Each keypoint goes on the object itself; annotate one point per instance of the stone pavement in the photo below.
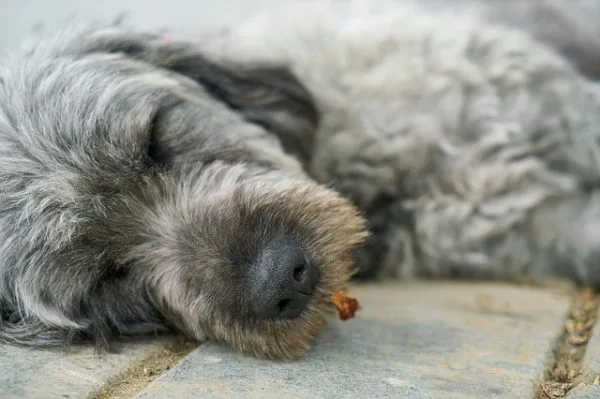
(410, 340)
(30, 373)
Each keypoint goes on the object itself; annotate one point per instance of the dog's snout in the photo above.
(283, 281)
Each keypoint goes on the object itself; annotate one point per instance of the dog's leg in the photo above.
(560, 238)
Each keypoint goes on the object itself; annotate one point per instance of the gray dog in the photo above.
(225, 189)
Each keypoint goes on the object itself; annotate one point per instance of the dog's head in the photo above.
(141, 181)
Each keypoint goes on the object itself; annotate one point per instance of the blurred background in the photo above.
(17, 17)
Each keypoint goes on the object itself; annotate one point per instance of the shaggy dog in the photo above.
(223, 189)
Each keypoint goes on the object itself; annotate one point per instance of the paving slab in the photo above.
(584, 391)
(53, 373)
(410, 340)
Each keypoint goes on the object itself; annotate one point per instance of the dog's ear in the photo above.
(270, 96)
(267, 95)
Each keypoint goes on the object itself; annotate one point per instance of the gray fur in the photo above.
(569, 26)
(131, 198)
(466, 143)
(142, 178)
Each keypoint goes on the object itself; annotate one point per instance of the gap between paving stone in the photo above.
(566, 360)
(144, 371)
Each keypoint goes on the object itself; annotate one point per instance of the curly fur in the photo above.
(141, 179)
(467, 144)
(569, 26)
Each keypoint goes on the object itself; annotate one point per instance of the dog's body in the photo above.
(465, 145)
(146, 182)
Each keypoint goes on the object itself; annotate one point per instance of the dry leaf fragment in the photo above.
(346, 305)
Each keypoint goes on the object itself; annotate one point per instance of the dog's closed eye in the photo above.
(154, 157)
(157, 150)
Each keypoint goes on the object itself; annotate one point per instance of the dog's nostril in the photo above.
(299, 272)
(283, 305)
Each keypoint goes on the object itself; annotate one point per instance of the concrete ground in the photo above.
(443, 340)
(410, 340)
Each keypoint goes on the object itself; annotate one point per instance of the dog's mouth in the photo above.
(289, 336)
(297, 302)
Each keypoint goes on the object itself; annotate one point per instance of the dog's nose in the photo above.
(283, 281)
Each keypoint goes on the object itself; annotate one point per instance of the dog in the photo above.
(226, 188)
